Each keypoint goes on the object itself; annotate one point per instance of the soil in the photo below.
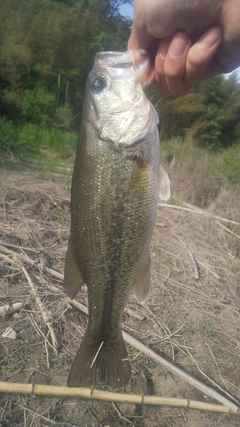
(191, 318)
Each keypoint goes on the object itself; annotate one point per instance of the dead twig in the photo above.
(192, 257)
(22, 248)
(45, 314)
(120, 414)
(227, 230)
(197, 211)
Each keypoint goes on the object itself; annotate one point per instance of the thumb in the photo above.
(140, 39)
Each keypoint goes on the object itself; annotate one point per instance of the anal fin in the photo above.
(72, 276)
(142, 283)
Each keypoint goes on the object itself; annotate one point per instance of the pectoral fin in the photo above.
(163, 184)
(72, 276)
(142, 283)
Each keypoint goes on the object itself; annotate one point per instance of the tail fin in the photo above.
(97, 362)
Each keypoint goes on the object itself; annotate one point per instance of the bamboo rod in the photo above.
(89, 393)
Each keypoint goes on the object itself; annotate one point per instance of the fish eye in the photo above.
(99, 84)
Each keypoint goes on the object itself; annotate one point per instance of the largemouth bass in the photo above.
(115, 188)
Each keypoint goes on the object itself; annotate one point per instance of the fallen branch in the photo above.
(16, 256)
(45, 314)
(92, 394)
(22, 248)
(197, 211)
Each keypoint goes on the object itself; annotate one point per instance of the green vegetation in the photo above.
(28, 138)
(209, 114)
(231, 162)
(46, 51)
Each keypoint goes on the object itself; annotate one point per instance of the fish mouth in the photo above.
(139, 59)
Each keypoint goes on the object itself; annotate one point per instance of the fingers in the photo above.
(139, 39)
(170, 65)
(198, 65)
(179, 66)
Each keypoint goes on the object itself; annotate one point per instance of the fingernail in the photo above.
(178, 44)
(163, 48)
(211, 37)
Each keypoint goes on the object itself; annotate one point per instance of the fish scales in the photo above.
(115, 189)
(113, 226)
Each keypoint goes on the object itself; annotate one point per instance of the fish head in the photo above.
(118, 108)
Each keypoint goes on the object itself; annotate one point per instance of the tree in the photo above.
(210, 113)
(47, 46)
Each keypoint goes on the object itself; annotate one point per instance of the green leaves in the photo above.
(46, 52)
(38, 106)
(210, 114)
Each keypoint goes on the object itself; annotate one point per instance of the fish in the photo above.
(116, 184)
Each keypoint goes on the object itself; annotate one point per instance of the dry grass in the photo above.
(194, 323)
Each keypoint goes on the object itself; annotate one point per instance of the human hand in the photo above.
(188, 40)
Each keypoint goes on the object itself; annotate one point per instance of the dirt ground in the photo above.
(192, 317)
